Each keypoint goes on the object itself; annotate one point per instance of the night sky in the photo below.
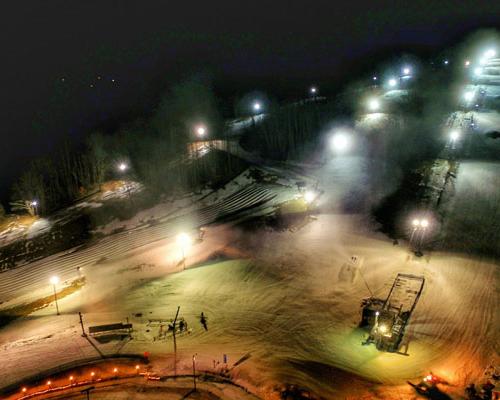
(70, 66)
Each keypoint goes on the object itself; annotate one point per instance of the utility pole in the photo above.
(81, 323)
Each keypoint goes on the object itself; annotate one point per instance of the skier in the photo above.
(203, 321)
(470, 392)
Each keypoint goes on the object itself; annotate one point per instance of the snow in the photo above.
(18, 284)
(237, 125)
(280, 304)
(297, 318)
(18, 231)
(487, 121)
(38, 227)
(12, 233)
(127, 189)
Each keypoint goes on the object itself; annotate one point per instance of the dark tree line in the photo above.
(60, 179)
(154, 149)
(290, 132)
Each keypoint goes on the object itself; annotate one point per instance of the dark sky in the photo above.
(54, 51)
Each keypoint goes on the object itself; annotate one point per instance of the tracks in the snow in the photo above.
(22, 280)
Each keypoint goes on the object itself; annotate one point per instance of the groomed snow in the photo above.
(286, 301)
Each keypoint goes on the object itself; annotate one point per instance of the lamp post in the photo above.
(183, 240)
(122, 167)
(34, 204)
(424, 224)
(194, 372)
(454, 136)
(54, 281)
(415, 224)
(419, 226)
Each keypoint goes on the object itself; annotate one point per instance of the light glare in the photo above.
(183, 240)
(469, 96)
(373, 104)
(490, 53)
(309, 196)
(201, 130)
(340, 142)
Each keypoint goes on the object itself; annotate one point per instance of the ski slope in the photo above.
(29, 278)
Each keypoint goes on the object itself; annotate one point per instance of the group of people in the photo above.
(183, 325)
(484, 393)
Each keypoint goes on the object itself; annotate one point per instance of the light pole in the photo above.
(424, 224)
(183, 240)
(419, 226)
(34, 204)
(314, 91)
(454, 136)
(122, 167)
(415, 223)
(81, 323)
(194, 372)
(257, 107)
(54, 281)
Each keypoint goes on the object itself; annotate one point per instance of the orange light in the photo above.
(71, 378)
(115, 370)
(48, 383)
(137, 367)
(92, 373)
(24, 390)
(428, 378)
